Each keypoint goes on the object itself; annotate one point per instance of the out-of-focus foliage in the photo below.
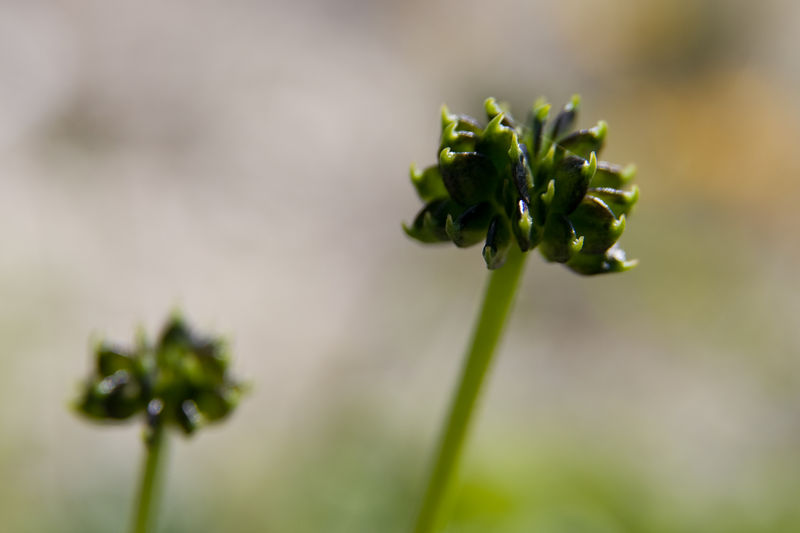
(350, 478)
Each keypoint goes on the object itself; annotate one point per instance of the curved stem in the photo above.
(149, 487)
(497, 302)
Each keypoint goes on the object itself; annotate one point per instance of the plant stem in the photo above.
(497, 301)
(149, 487)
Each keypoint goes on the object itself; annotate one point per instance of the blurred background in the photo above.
(247, 161)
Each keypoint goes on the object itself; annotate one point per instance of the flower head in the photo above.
(531, 184)
(182, 380)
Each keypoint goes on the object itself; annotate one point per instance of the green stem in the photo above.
(496, 305)
(149, 487)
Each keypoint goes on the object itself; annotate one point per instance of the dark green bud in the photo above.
(620, 202)
(570, 182)
(430, 225)
(523, 177)
(468, 176)
(498, 241)
(428, 183)
(536, 122)
(463, 122)
(612, 260)
(565, 119)
(559, 241)
(612, 176)
(583, 142)
(523, 227)
(527, 185)
(497, 141)
(113, 397)
(110, 359)
(595, 221)
(457, 140)
(470, 226)
(495, 108)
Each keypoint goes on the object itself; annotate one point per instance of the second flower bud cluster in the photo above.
(182, 380)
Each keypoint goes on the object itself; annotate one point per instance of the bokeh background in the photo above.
(247, 161)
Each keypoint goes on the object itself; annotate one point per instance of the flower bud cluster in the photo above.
(529, 184)
(182, 380)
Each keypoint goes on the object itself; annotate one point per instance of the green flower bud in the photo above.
(565, 119)
(612, 176)
(524, 229)
(430, 225)
(612, 260)
(468, 176)
(536, 122)
(181, 380)
(584, 142)
(528, 184)
(464, 123)
(620, 202)
(596, 222)
(559, 241)
(428, 183)
(570, 182)
(469, 227)
(498, 241)
(457, 141)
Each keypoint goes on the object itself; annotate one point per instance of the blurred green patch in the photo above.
(352, 474)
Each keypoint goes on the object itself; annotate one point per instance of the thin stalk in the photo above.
(497, 302)
(149, 488)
